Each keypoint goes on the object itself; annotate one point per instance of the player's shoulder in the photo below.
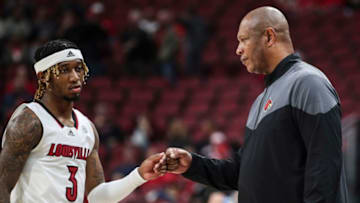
(24, 116)
(81, 115)
(24, 125)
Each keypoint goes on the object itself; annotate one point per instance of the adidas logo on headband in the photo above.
(70, 54)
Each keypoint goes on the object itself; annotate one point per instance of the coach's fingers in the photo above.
(171, 160)
(178, 160)
(172, 167)
(175, 153)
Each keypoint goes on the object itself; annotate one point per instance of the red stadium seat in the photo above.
(100, 83)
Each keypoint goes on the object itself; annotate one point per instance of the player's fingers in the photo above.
(161, 165)
(163, 159)
(163, 169)
(157, 157)
(157, 168)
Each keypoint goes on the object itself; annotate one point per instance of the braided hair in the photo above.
(46, 50)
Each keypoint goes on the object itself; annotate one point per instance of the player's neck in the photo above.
(58, 106)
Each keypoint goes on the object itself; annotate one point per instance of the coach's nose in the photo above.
(239, 50)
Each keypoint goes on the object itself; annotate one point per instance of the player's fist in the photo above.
(153, 167)
(178, 160)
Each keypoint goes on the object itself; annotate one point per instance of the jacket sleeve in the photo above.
(318, 115)
(220, 174)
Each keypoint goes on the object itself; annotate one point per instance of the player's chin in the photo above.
(72, 97)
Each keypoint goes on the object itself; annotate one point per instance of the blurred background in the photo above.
(165, 73)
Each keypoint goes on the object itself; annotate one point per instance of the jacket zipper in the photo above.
(260, 107)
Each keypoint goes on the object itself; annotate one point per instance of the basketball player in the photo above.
(50, 149)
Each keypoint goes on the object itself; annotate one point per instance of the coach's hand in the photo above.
(153, 167)
(178, 160)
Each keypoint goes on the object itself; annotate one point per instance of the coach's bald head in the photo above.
(266, 17)
(264, 39)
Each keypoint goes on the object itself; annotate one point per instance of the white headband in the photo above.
(57, 57)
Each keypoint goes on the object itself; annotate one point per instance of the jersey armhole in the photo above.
(2, 137)
(42, 135)
(93, 134)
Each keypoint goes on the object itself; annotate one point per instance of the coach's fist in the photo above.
(178, 160)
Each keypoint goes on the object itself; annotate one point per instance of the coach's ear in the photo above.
(270, 35)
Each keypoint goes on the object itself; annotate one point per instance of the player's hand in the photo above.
(147, 169)
(178, 160)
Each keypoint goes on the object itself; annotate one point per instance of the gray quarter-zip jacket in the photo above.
(292, 149)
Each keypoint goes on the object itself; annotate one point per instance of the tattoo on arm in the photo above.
(94, 169)
(23, 133)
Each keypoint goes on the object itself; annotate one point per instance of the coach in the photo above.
(292, 150)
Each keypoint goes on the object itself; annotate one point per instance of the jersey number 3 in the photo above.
(71, 192)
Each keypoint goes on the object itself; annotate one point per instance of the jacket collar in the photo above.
(280, 69)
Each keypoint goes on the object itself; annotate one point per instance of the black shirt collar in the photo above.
(280, 69)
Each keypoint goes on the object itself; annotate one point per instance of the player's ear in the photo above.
(270, 35)
(41, 77)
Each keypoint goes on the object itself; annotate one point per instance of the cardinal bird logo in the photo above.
(268, 105)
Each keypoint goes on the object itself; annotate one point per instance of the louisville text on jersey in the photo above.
(68, 151)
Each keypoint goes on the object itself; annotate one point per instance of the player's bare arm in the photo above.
(23, 133)
(94, 170)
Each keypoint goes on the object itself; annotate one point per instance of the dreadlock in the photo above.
(46, 50)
